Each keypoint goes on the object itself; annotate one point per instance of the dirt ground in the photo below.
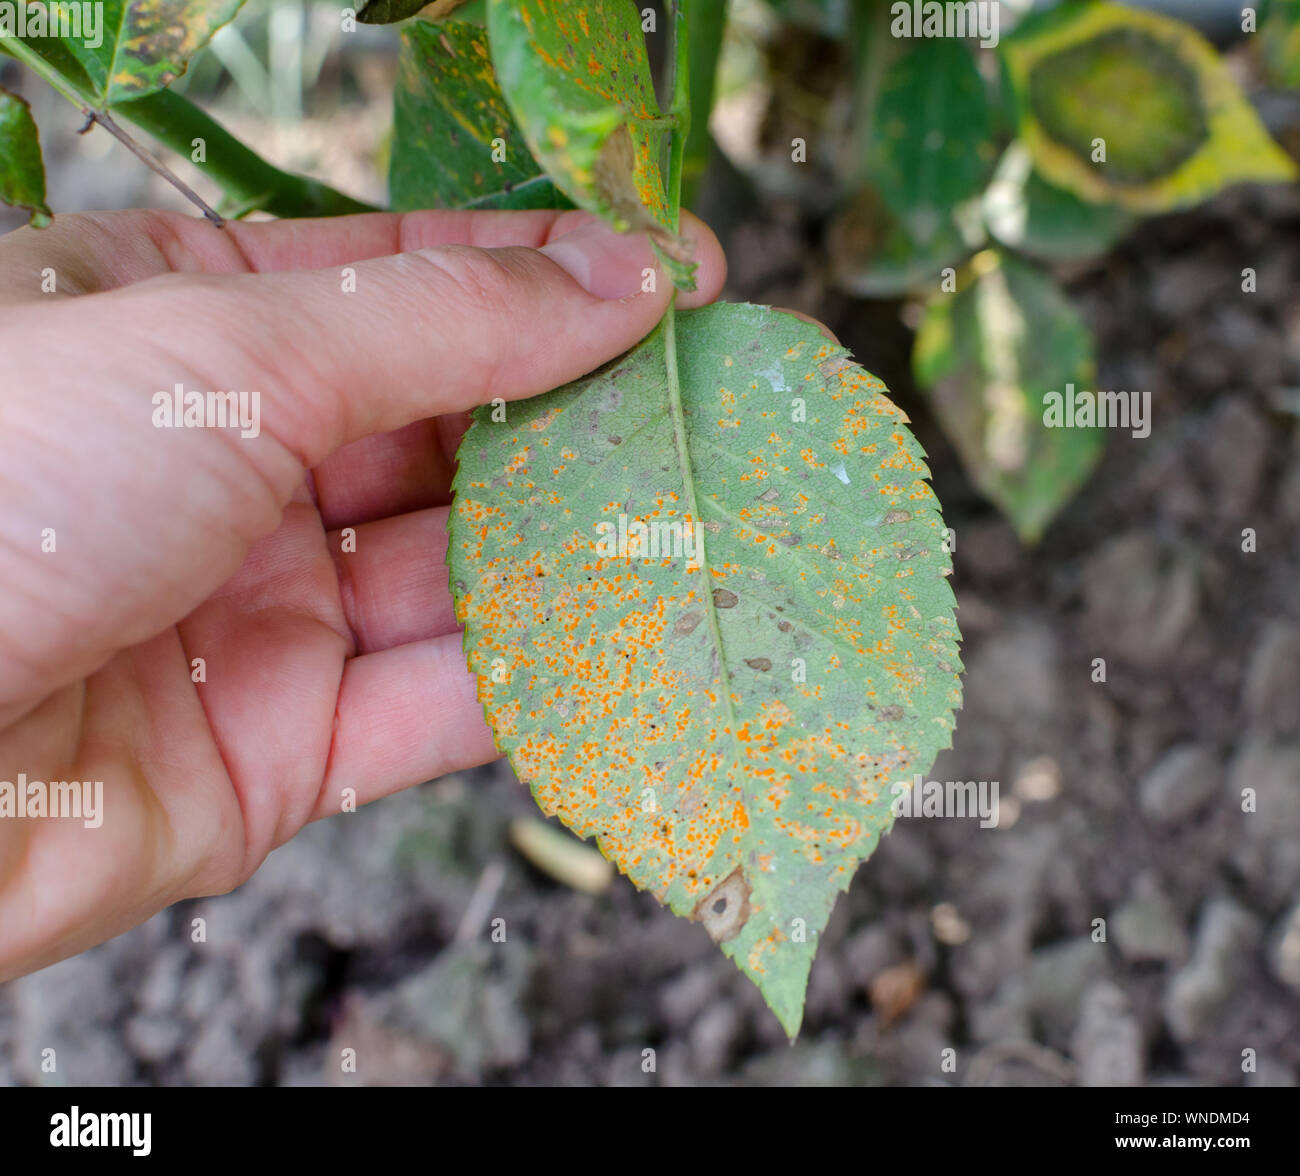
(1121, 801)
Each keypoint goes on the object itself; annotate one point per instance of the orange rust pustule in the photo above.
(725, 909)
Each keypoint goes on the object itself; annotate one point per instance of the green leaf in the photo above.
(577, 78)
(932, 136)
(706, 24)
(729, 720)
(1279, 37)
(56, 54)
(1149, 90)
(450, 120)
(987, 356)
(391, 11)
(22, 171)
(1028, 214)
(145, 45)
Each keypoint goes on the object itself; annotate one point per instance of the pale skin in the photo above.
(324, 670)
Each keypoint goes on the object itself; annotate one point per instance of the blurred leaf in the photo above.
(391, 11)
(932, 134)
(578, 80)
(829, 17)
(1280, 42)
(1026, 213)
(873, 255)
(22, 171)
(986, 357)
(447, 112)
(706, 24)
(707, 607)
(1175, 126)
(146, 44)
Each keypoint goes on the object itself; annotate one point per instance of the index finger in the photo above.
(97, 251)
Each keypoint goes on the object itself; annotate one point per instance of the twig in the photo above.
(106, 120)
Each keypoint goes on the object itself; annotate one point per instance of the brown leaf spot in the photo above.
(724, 598)
(761, 664)
(898, 516)
(686, 623)
(890, 713)
(725, 910)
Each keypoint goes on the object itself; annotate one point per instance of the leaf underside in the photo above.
(729, 727)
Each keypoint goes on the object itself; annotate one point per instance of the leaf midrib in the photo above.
(678, 415)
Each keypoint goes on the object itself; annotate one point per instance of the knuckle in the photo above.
(479, 281)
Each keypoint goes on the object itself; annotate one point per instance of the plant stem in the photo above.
(679, 73)
(868, 31)
(109, 124)
(22, 52)
(247, 179)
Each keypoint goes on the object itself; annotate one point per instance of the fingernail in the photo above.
(606, 264)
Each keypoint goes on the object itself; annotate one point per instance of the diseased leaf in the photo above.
(391, 11)
(987, 356)
(1149, 91)
(146, 44)
(1030, 215)
(22, 171)
(932, 135)
(576, 76)
(449, 118)
(728, 720)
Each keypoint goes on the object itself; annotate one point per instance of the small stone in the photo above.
(713, 1036)
(1108, 1039)
(1284, 959)
(1272, 681)
(1184, 779)
(154, 1038)
(1058, 977)
(1227, 937)
(1142, 597)
(1147, 927)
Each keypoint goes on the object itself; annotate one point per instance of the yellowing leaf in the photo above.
(146, 44)
(704, 593)
(455, 144)
(1124, 106)
(576, 76)
(986, 356)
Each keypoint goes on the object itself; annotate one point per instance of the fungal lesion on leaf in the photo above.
(725, 909)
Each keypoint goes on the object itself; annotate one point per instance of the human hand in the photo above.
(323, 670)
